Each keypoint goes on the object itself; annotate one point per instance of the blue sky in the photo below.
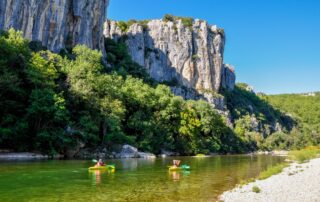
(273, 44)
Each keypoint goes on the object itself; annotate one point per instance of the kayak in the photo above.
(107, 167)
(183, 167)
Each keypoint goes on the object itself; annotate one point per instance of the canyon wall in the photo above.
(191, 55)
(57, 24)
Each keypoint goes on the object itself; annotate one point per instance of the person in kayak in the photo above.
(100, 163)
(176, 163)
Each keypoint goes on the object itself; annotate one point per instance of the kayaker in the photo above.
(100, 163)
(176, 163)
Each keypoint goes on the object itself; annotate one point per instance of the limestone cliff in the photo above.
(190, 55)
(228, 77)
(56, 23)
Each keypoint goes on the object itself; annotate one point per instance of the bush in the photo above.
(256, 189)
(221, 32)
(186, 21)
(124, 27)
(36, 46)
(168, 18)
(195, 57)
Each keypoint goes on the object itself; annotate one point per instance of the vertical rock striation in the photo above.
(189, 55)
(57, 24)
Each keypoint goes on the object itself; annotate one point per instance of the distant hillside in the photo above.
(305, 109)
(255, 120)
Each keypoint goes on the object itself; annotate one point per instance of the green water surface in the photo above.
(134, 179)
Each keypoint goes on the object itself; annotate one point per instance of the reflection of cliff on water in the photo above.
(133, 164)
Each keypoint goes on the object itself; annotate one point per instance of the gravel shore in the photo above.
(298, 182)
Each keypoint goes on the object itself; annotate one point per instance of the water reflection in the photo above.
(186, 172)
(133, 164)
(98, 175)
(177, 175)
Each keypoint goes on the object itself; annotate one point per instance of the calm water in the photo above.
(134, 180)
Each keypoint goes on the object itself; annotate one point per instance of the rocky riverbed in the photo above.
(298, 182)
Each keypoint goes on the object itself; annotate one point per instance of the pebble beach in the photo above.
(298, 182)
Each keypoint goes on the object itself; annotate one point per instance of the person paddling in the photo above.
(100, 163)
(176, 163)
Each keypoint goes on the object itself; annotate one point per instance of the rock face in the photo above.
(190, 56)
(228, 78)
(57, 24)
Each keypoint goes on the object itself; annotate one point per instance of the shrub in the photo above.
(187, 21)
(124, 27)
(221, 32)
(36, 46)
(168, 18)
(256, 189)
(195, 57)
(144, 24)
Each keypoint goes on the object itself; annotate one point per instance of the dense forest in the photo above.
(53, 102)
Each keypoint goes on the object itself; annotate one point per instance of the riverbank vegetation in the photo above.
(304, 155)
(52, 103)
(272, 170)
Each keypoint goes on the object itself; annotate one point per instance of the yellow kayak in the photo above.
(183, 167)
(107, 167)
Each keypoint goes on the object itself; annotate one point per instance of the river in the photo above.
(134, 179)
